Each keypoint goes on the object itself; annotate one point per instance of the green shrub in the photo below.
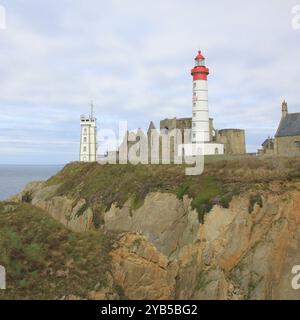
(27, 197)
(182, 191)
(255, 199)
(202, 202)
(81, 211)
(225, 200)
(137, 202)
(34, 252)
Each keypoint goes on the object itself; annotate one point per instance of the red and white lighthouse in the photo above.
(200, 118)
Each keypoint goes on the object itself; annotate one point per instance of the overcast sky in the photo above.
(133, 59)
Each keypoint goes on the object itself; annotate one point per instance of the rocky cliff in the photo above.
(167, 246)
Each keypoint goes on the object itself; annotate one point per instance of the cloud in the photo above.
(133, 59)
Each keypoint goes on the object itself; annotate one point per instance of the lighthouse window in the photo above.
(84, 139)
(84, 149)
(194, 84)
(200, 62)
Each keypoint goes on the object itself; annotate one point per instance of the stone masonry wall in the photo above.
(233, 139)
(287, 146)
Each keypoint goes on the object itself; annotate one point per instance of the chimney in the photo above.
(284, 109)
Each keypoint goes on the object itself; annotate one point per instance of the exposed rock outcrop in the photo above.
(166, 222)
(233, 255)
(141, 270)
(241, 255)
(74, 214)
(246, 251)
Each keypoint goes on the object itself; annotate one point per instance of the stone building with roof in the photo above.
(287, 138)
(267, 147)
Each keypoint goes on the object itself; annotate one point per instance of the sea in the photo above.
(13, 178)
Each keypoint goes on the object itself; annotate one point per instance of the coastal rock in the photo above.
(245, 251)
(241, 255)
(75, 215)
(28, 193)
(163, 219)
(142, 271)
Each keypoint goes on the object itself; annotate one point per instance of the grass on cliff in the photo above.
(103, 185)
(44, 260)
(108, 184)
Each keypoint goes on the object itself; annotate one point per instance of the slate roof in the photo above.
(289, 125)
(267, 141)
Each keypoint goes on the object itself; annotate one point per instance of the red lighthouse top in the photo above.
(199, 56)
(200, 72)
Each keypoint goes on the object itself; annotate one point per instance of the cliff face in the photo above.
(242, 255)
(233, 255)
(245, 251)
(72, 213)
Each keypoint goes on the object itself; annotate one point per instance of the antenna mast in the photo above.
(92, 110)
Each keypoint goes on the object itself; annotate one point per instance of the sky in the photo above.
(133, 60)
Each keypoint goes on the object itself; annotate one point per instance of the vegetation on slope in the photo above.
(44, 260)
(103, 185)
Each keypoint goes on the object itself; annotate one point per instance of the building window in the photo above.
(84, 139)
(216, 151)
(194, 114)
(297, 144)
(165, 130)
(85, 131)
(194, 104)
(194, 124)
(84, 149)
(194, 84)
(194, 94)
(194, 135)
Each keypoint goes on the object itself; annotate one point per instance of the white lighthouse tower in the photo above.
(88, 138)
(200, 116)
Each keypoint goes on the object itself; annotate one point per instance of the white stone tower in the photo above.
(88, 138)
